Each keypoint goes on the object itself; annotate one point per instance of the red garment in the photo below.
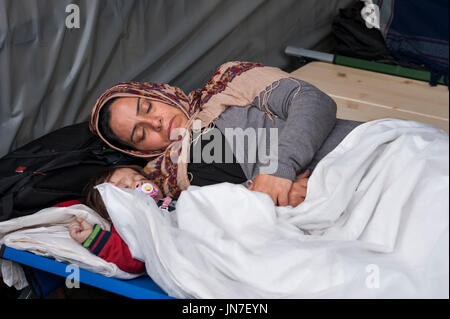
(68, 203)
(110, 247)
(116, 251)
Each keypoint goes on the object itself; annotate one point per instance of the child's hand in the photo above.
(80, 230)
(297, 193)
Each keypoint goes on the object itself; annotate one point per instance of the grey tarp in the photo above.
(51, 75)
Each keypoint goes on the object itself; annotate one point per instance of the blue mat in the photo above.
(139, 288)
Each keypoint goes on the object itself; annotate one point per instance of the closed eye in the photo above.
(149, 107)
(143, 134)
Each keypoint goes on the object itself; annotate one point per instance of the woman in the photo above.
(290, 123)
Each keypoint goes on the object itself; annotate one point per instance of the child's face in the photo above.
(129, 178)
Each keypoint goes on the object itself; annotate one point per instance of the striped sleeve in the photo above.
(97, 240)
(112, 248)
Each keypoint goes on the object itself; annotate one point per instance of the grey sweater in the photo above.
(303, 130)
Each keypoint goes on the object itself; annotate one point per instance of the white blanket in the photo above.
(374, 225)
(46, 233)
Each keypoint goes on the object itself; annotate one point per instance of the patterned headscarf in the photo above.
(232, 84)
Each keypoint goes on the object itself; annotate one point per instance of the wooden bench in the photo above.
(363, 95)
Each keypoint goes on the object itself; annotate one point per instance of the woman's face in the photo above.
(144, 124)
(129, 178)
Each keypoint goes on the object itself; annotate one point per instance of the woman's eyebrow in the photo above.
(138, 107)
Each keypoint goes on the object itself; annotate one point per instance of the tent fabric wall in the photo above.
(51, 75)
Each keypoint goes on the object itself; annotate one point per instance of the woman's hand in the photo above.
(297, 193)
(276, 187)
(80, 230)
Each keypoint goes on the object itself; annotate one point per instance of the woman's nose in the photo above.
(155, 122)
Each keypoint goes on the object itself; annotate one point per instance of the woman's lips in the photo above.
(172, 126)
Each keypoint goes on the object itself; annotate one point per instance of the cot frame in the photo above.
(142, 287)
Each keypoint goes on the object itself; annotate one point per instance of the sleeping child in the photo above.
(108, 245)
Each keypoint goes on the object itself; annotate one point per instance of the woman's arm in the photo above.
(309, 116)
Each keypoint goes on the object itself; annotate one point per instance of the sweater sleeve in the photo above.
(309, 116)
(111, 247)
